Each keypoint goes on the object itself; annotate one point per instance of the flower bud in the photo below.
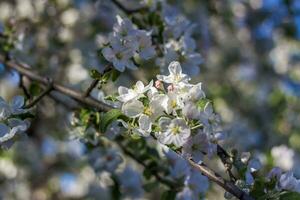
(171, 88)
(158, 84)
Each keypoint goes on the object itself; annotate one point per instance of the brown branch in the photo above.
(44, 93)
(226, 160)
(22, 86)
(93, 103)
(127, 10)
(96, 81)
(76, 95)
(91, 87)
(227, 185)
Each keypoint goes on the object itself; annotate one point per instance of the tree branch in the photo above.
(126, 10)
(44, 93)
(96, 81)
(227, 185)
(76, 95)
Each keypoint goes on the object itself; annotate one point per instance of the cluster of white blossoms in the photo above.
(10, 123)
(178, 41)
(125, 43)
(174, 111)
(110, 161)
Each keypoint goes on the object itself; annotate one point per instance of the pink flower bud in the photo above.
(158, 84)
(171, 88)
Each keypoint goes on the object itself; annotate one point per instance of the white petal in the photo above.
(18, 101)
(4, 129)
(122, 90)
(175, 68)
(108, 53)
(119, 65)
(208, 109)
(133, 108)
(139, 86)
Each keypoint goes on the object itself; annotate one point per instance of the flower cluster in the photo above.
(11, 125)
(174, 111)
(125, 43)
(178, 43)
(110, 160)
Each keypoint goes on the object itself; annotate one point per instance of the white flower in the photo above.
(145, 49)
(5, 110)
(210, 120)
(175, 24)
(125, 42)
(274, 173)
(194, 92)
(197, 145)
(283, 157)
(127, 94)
(287, 181)
(186, 194)
(147, 114)
(131, 183)
(124, 28)
(105, 159)
(197, 182)
(190, 61)
(120, 55)
(133, 108)
(145, 125)
(176, 76)
(191, 111)
(253, 166)
(14, 127)
(178, 167)
(174, 102)
(173, 131)
(17, 104)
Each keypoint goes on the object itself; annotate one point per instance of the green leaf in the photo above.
(108, 118)
(115, 75)
(35, 89)
(168, 195)
(201, 103)
(95, 74)
(150, 186)
(290, 196)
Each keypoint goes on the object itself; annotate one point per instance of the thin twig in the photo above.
(227, 185)
(91, 87)
(76, 95)
(96, 81)
(226, 160)
(44, 93)
(22, 86)
(126, 10)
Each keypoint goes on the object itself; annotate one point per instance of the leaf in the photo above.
(150, 186)
(108, 117)
(115, 75)
(290, 196)
(35, 89)
(168, 195)
(95, 74)
(201, 103)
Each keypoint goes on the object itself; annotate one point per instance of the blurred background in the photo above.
(251, 71)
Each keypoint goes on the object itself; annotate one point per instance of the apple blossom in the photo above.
(173, 131)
